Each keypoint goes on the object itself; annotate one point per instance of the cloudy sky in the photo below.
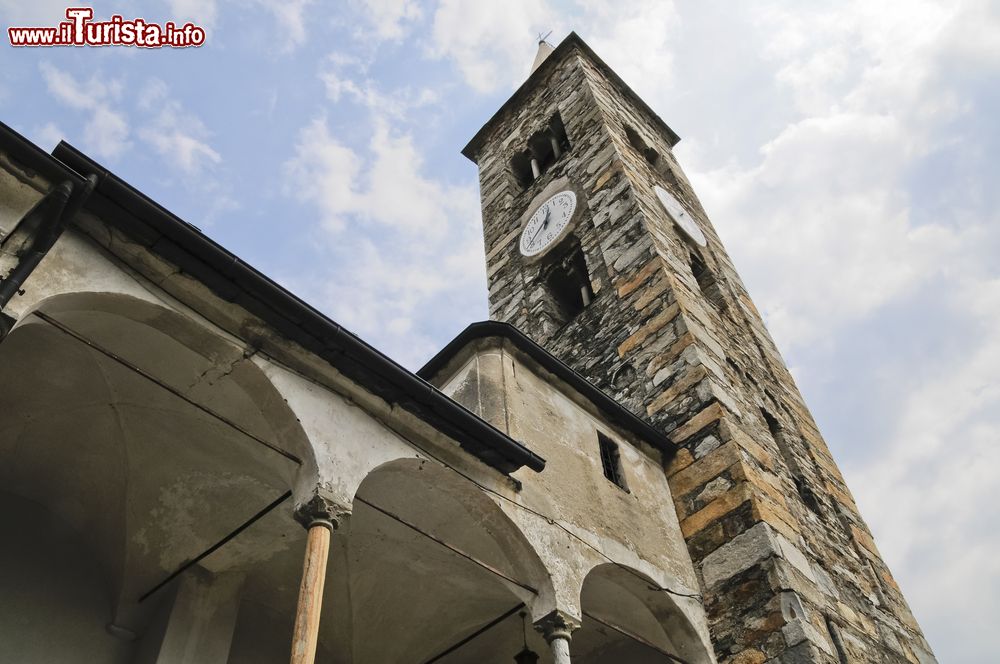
(847, 153)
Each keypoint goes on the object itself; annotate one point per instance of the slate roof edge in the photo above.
(618, 414)
(180, 243)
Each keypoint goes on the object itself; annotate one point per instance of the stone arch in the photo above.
(626, 617)
(446, 596)
(152, 464)
(209, 368)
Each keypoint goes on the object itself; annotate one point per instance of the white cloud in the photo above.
(340, 85)
(634, 37)
(939, 475)
(385, 292)
(203, 13)
(825, 204)
(403, 242)
(177, 136)
(87, 95)
(30, 14)
(831, 229)
(392, 191)
(402, 197)
(179, 147)
(389, 18)
(493, 44)
(107, 129)
(828, 200)
(323, 172)
(291, 18)
(48, 135)
(489, 42)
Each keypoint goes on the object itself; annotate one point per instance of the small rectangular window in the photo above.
(611, 461)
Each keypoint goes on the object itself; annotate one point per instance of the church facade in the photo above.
(196, 466)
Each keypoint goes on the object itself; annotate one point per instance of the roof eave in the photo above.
(616, 412)
(178, 242)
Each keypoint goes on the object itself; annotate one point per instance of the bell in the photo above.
(526, 656)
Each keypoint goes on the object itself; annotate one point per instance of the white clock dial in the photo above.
(680, 216)
(547, 224)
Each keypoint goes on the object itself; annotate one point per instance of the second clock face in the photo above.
(680, 216)
(547, 224)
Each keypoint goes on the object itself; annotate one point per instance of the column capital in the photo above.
(320, 511)
(557, 625)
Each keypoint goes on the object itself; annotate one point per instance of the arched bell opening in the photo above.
(629, 618)
(161, 444)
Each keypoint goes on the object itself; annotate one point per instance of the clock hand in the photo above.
(545, 222)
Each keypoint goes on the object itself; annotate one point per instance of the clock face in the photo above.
(680, 216)
(547, 224)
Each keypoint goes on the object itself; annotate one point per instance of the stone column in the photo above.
(556, 148)
(536, 171)
(320, 518)
(557, 628)
(200, 626)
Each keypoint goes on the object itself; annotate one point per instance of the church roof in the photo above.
(143, 220)
(540, 70)
(617, 413)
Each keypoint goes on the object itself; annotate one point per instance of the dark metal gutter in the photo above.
(50, 216)
(573, 40)
(45, 221)
(45, 216)
(147, 223)
(620, 415)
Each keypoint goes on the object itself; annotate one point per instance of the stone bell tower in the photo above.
(598, 249)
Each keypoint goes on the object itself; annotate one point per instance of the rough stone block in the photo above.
(707, 444)
(678, 388)
(803, 653)
(654, 325)
(825, 582)
(716, 509)
(713, 413)
(799, 630)
(650, 293)
(682, 460)
(714, 489)
(742, 552)
(791, 553)
(748, 656)
(704, 470)
(865, 540)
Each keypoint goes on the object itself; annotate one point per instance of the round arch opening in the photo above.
(428, 569)
(627, 618)
(139, 428)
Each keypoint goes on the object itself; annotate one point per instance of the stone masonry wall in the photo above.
(788, 568)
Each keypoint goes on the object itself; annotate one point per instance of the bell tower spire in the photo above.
(598, 248)
(544, 50)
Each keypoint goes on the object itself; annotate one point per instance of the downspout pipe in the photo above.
(55, 210)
